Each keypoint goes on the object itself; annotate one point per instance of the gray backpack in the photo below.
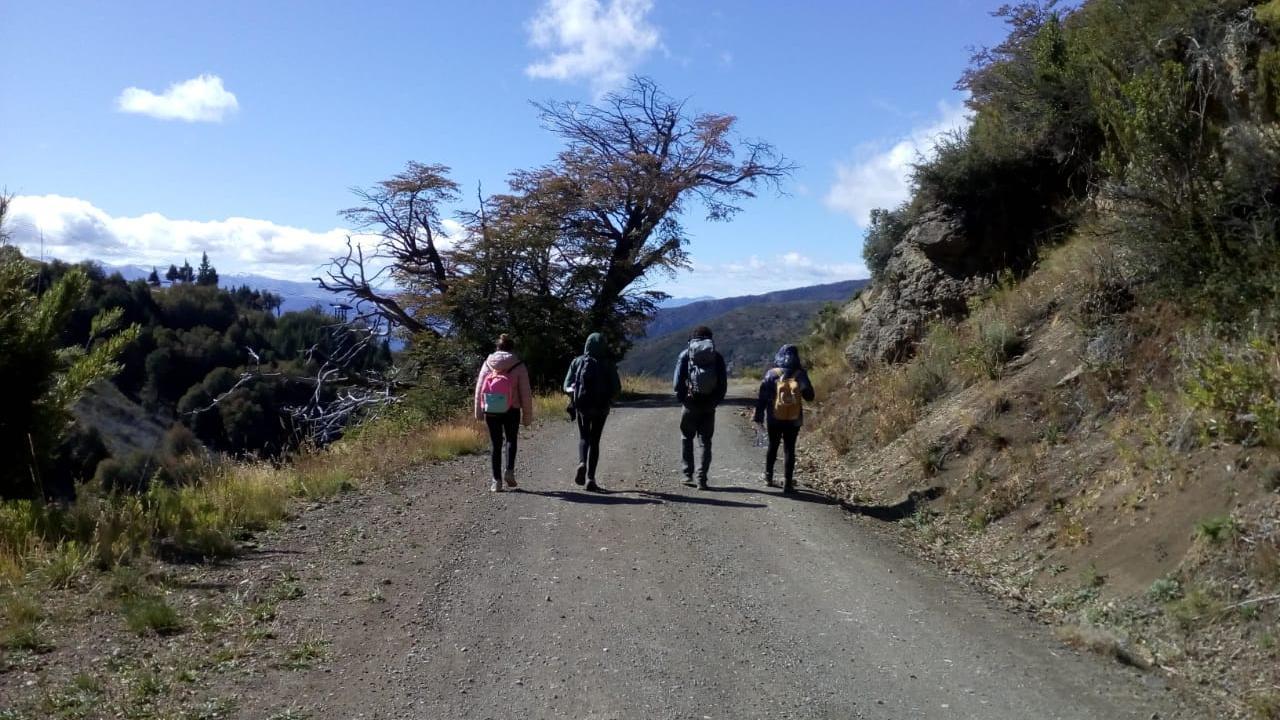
(703, 379)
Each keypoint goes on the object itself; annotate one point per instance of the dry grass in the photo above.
(639, 385)
(550, 406)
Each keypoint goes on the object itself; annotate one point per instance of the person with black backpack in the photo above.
(780, 412)
(592, 383)
(700, 383)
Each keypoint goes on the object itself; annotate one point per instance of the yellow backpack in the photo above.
(786, 398)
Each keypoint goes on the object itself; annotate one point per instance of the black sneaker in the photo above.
(688, 479)
(768, 481)
(593, 487)
(581, 477)
(789, 488)
(702, 484)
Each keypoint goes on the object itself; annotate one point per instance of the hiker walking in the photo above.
(504, 400)
(700, 383)
(780, 409)
(592, 384)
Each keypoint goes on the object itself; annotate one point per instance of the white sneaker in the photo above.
(495, 486)
(510, 477)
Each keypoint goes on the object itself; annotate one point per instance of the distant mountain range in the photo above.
(681, 302)
(748, 329)
(297, 295)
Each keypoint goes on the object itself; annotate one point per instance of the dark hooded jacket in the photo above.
(680, 381)
(786, 365)
(598, 349)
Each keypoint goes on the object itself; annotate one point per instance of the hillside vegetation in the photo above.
(748, 329)
(702, 312)
(747, 336)
(1065, 377)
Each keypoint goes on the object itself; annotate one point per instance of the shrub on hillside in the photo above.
(887, 229)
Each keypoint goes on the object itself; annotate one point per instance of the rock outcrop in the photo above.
(931, 274)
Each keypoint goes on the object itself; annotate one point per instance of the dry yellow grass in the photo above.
(645, 385)
(549, 406)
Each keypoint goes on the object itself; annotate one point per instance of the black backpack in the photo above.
(591, 385)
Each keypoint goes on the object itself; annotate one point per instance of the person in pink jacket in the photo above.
(504, 401)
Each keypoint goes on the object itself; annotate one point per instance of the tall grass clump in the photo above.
(21, 619)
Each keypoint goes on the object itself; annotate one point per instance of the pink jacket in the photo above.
(502, 362)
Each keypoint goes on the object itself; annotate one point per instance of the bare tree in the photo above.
(406, 276)
(631, 164)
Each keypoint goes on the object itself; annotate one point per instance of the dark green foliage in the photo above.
(887, 229)
(44, 375)
(1163, 109)
(188, 345)
(206, 274)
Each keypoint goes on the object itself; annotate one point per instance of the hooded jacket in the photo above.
(503, 362)
(596, 347)
(680, 381)
(788, 362)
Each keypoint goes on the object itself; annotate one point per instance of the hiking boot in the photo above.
(510, 477)
(593, 487)
(581, 477)
(495, 486)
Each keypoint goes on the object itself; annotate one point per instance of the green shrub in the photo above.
(21, 623)
(1238, 385)
(929, 374)
(149, 613)
(1215, 530)
(887, 229)
(995, 342)
(1164, 590)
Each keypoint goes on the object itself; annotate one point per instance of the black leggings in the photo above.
(786, 434)
(508, 423)
(590, 426)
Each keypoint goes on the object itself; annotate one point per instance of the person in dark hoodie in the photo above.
(504, 400)
(700, 382)
(592, 383)
(780, 409)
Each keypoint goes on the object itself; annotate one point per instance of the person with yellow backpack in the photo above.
(780, 412)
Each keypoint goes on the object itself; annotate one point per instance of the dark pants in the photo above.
(700, 422)
(786, 434)
(590, 427)
(508, 423)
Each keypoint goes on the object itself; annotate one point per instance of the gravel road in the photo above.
(437, 599)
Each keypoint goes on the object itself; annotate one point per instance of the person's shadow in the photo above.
(798, 495)
(703, 497)
(600, 497)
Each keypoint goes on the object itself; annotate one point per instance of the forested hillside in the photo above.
(1066, 374)
(189, 344)
(666, 320)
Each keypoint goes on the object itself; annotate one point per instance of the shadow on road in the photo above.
(703, 498)
(897, 511)
(809, 496)
(665, 400)
(604, 497)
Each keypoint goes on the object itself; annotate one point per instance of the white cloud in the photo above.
(881, 178)
(590, 41)
(755, 275)
(200, 99)
(71, 229)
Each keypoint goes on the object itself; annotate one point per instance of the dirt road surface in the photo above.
(437, 599)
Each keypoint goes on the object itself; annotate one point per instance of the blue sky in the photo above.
(286, 105)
